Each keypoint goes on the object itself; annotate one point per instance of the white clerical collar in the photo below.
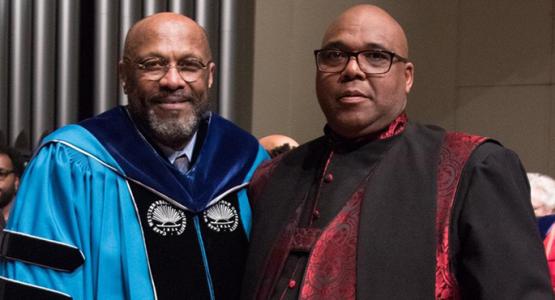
(172, 154)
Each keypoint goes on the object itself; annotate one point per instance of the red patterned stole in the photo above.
(331, 268)
(455, 151)
(549, 245)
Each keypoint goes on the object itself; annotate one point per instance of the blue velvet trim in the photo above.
(84, 140)
(226, 157)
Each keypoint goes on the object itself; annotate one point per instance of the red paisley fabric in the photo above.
(305, 238)
(397, 126)
(549, 245)
(455, 151)
(277, 258)
(331, 269)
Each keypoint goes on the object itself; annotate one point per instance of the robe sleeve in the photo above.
(69, 197)
(497, 251)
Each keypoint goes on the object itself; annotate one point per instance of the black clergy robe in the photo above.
(495, 249)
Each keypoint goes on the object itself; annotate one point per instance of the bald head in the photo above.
(276, 140)
(369, 18)
(161, 25)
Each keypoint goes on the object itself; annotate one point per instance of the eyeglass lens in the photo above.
(369, 61)
(189, 71)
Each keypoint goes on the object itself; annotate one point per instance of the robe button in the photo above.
(292, 283)
(328, 178)
(316, 214)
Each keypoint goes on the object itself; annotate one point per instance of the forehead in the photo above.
(363, 31)
(5, 162)
(170, 39)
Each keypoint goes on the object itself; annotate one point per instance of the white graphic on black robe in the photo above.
(221, 217)
(165, 219)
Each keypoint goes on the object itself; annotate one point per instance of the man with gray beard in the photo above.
(146, 201)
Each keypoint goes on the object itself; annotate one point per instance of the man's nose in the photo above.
(172, 80)
(352, 70)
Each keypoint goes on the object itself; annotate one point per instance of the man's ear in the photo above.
(211, 73)
(16, 183)
(409, 76)
(122, 73)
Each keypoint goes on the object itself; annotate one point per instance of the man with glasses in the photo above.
(384, 208)
(11, 168)
(146, 201)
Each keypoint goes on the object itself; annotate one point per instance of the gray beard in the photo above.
(173, 133)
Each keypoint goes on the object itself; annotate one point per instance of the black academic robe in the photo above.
(495, 248)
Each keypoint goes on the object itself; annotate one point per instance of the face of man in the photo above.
(169, 108)
(355, 103)
(8, 183)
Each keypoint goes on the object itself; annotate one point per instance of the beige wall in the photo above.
(485, 67)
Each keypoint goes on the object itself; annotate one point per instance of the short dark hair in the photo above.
(15, 156)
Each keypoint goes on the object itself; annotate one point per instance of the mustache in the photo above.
(174, 96)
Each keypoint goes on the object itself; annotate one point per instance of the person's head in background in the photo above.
(11, 168)
(277, 144)
(542, 189)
